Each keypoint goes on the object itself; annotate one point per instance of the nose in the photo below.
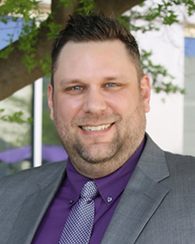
(95, 102)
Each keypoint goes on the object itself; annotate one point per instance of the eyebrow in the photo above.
(117, 77)
(73, 81)
(76, 81)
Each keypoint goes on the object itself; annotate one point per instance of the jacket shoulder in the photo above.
(32, 175)
(178, 162)
(178, 158)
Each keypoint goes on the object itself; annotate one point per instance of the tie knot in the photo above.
(89, 190)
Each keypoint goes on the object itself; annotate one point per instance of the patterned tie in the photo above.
(79, 224)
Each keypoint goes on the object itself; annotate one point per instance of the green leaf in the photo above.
(15, 118)
(54, 30)
(87, 6)
(6, 51)
(158, 73)
(46, 65)
(124, 20)
(29, 61)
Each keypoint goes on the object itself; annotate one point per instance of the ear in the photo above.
(50, 99)
(145, 92)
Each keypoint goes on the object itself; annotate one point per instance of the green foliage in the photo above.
(21, 8)
(6, 51)
(87, 6)
(16, 126)
(164, 12)
(15, 118)
(28, 37)
(30, 12)
(54, 30)
(65, 3)
(124, 20)
(27, 41)
(190, 5)
(25, 10)
(158, 74)
(45, 63)
(145, 28)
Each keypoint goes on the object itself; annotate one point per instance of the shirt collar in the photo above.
(110, 186)
(75, 181)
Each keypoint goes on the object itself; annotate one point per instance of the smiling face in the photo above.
(98, 106)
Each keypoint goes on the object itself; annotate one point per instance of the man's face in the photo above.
(98, 107)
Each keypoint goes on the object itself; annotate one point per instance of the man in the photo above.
(98, 98)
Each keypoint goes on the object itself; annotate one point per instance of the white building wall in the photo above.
(165, 120)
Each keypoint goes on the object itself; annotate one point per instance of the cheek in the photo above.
(66, 108)
(123, 103)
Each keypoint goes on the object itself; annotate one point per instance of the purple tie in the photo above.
(79, 224)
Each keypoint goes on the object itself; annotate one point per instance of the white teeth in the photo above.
(95, 128)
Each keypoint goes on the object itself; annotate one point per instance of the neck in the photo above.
(102, 169)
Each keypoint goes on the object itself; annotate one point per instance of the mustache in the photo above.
(96, 119)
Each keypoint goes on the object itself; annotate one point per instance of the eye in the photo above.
(76, 88)
(110, 85)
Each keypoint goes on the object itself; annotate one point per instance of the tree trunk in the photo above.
(14, 74)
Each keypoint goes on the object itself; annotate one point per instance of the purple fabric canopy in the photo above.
(51, 153)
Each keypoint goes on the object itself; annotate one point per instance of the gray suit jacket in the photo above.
(157, 206)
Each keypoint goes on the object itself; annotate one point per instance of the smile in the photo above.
(95, 128)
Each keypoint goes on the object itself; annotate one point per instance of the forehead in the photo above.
(93, 58)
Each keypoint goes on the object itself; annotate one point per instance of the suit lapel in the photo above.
(35, 205)
(141, 197)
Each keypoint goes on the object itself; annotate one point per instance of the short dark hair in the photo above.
(95, 28)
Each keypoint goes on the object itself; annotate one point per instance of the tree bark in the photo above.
(14, 74)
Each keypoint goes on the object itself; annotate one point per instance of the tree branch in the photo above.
(115, 6)
(14, 74)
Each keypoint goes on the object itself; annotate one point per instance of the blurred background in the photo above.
(27, 135)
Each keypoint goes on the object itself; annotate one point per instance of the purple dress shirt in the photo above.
(110, 190)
